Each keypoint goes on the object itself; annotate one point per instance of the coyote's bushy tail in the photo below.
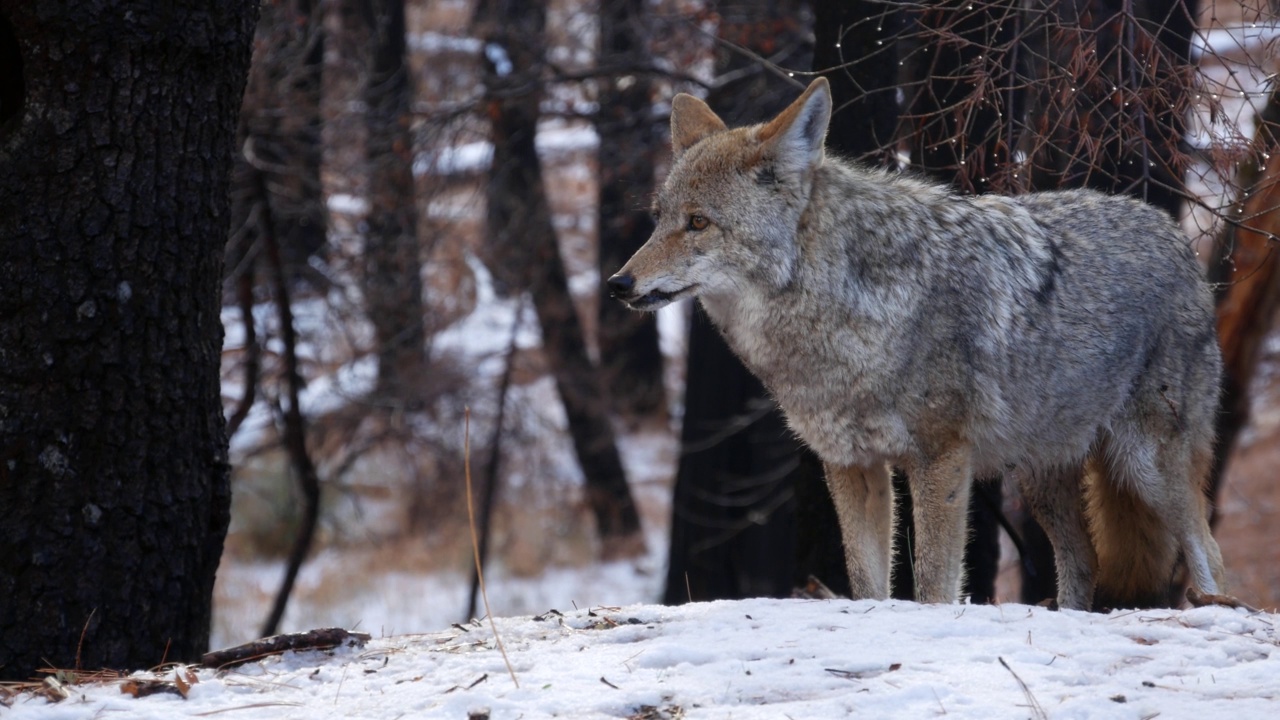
(1137, 544)
(1136, 551)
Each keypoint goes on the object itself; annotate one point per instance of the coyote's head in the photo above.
(729, 210)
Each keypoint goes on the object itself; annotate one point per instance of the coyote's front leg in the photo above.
(863, 497)
(940, 497)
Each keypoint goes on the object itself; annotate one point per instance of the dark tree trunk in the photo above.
(392, 280)
(113, 216)
(1126, 120)
(1039, 578)
(955, 134)
(525, 254)
(862, 127)
(630, 361)
(295, 426)
(733, 525)
(855, 51)
(304, 229)
(279, 221)
(733, 519)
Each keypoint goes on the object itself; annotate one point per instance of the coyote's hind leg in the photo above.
(1054, 496)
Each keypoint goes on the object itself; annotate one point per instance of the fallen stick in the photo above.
(322, 639)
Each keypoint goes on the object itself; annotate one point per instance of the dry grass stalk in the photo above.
(475, 542)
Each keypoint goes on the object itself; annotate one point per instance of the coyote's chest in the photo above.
(834, 393)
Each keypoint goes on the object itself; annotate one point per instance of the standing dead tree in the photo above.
(1009, 97)
(392, 266)
(295, 426)
(524, 254)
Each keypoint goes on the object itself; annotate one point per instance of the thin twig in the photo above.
(1036, 708)
(252, 350)
(83, 631)
(475, 545)
(490, 489)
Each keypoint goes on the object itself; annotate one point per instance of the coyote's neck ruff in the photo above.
(899, 324)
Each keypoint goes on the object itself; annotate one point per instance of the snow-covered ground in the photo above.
(753, 659)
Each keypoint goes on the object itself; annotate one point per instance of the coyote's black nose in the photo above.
(621, 285)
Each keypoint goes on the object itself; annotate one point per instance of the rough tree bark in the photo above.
(524, 254)
(113, 216)
(630, 360)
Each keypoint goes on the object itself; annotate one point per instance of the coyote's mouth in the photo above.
(655, 299)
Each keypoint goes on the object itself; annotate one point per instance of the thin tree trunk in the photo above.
(1121, 127)
(281, 118)
(295, 427)
(392, 265)
(279, 217)
(304, 230)
(733, 527)
(520, 232)
(489, 490)
(954, 134)
(113, 217)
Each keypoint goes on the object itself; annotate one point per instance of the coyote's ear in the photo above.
(793, 140)
(691, 121)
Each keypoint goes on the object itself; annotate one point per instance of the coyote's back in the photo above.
(898, 324)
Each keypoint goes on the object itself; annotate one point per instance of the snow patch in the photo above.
(751, 659)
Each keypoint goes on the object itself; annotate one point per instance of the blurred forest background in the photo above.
(429, 193)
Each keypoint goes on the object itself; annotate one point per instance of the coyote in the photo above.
(1063, 339)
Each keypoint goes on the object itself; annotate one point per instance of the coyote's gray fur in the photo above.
(1064, 339)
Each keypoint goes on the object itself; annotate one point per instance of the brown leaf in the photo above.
(183, 686)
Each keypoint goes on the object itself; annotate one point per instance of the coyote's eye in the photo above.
(698, 222)
(655, 214)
